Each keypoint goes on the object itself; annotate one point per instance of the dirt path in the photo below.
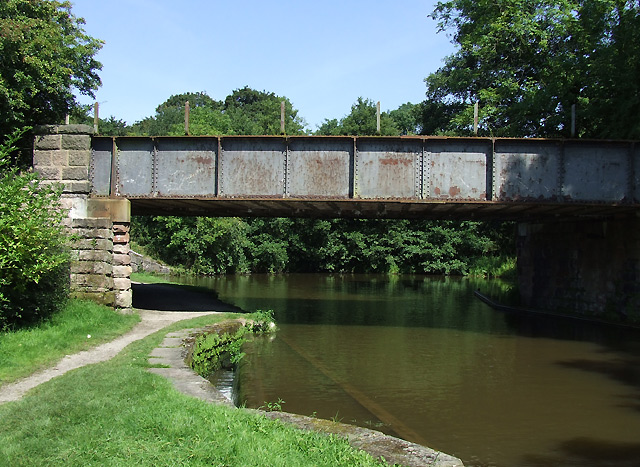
(149, 298)
(152, 321)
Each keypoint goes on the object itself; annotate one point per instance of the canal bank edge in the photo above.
(171, 356)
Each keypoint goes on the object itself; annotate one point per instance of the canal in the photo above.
(421, 358)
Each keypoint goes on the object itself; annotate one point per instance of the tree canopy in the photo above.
(360, 121)
(245, 111)
(526, 62)
(44, 56)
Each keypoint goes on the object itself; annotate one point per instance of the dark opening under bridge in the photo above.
(576, 201)
(375, 177)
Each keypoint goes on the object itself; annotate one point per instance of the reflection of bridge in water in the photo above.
(374, 177)
(577, 201)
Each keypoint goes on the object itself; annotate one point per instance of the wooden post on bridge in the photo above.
(475, 119)
(96, 117)
(186, 118)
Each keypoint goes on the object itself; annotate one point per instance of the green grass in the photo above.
(24, 351)
(116, 413)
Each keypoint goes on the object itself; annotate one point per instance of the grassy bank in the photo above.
(116, 413)
(24, 351)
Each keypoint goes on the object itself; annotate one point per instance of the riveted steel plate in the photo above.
(388, 169)
(457, 169)
(135, 167)
(186, 167)
(595, 172)
(320, 168)
(101, 166)
(252, 167)
(526, 171)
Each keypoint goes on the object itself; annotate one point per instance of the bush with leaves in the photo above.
(34, 274)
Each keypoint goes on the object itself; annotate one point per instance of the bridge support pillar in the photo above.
(587, 267)
(100, 266)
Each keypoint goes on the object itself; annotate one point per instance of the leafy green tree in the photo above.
(526, 62)
(244, 112)
(258, 113)
(202, 245)
(44, 56)
(406, 118)
(361, 121)
(169, 117)
(434, 117)
(34, 271)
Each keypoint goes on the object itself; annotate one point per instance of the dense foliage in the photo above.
(44, 56)
(361, 121)
(34, 270)
(232, 245)
(244, 112)
(527, 62)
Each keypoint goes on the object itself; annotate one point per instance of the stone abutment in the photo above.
(99, 227)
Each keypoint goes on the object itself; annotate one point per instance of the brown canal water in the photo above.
(421, 358)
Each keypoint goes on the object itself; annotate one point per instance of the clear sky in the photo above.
(322, 55)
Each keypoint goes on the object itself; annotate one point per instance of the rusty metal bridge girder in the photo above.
(431, 177)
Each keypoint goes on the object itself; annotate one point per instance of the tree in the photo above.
(244, 112)
(44, 55)
(526, 62)
(360, 121)
(169, 117)
(258, 113)
(406, 118)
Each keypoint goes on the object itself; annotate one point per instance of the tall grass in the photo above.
(494, 266)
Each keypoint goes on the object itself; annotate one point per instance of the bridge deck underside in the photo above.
(372, 209)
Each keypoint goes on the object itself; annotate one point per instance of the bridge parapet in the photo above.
(475, 177)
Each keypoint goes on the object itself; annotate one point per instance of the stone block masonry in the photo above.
(99, 227)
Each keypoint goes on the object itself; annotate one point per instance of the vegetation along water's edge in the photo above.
(119, 411)
(210, 348)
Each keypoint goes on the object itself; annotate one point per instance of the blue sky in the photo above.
(321, 55)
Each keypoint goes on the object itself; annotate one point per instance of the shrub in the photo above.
(34, 272)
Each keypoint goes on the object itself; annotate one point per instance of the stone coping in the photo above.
(176, 346)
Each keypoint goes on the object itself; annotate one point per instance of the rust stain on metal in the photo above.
(395, 161)
(454, 191)
(203, 160)
(436, 190)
